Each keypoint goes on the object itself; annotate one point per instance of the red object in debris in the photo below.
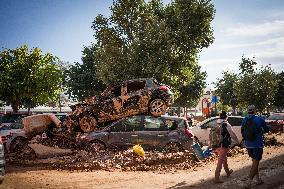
(164, 88)
(188, 133)
(2, 139)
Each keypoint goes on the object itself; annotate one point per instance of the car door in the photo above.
(122, 134)
(133, 99)
(205, 130)
(236, 122)
(111, 104)
(154, 132)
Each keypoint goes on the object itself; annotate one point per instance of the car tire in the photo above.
(173, 147)
(96, 147)
(18, 144)
(88, 123)
(157, 107)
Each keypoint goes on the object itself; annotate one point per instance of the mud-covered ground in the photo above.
(156, 170)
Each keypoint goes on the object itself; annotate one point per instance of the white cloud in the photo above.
(262, 29)
(268, 42)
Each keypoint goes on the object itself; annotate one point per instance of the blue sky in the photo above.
(63, 27)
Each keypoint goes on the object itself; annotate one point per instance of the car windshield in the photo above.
(205, 121)
(276, 117)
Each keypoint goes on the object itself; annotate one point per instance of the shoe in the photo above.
(230, 172)
(218, 181)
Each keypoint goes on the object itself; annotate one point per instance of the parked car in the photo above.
(11, 119)
(201, 130)
(168, 133)
(129, 98)
(2, 162)
(275, 122)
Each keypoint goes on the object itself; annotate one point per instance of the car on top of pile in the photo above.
(132, 97)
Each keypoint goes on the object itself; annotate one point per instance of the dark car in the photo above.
(275, 122)
(201, 130)
(2, 162)
(168, 133)
(129, 98)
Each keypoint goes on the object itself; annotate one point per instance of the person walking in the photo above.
(253, 128)
(221, 144)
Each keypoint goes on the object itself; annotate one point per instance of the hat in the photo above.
(223, 115)
(251, 109)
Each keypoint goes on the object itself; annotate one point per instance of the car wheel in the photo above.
(96, 147)
(88, 123)
(18, 144)
(173, 147)
(157, 107)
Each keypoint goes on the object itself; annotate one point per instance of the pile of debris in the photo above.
(272, 140)
(126, 161)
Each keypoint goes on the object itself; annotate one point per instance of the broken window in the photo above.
(154, 124)
(132, 123)
(135, 86)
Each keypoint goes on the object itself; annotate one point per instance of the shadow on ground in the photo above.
(271, 181)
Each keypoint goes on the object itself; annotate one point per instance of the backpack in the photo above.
(249, 129)
(219, 136)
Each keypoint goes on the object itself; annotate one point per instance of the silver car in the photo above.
(201, 130)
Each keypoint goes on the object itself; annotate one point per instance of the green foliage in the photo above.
(225, 89)
(250, 86)
(279, 96)
(80, 79)
(28, 77)
(147, 39)
(258, 88)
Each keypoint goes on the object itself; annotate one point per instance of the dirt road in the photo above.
(271, 169)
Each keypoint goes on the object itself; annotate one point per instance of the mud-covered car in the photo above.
(168, 133)
(129, 98)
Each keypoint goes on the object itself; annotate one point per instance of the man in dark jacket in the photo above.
(255, 146)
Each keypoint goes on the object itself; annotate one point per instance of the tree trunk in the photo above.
(234, 110)
(15, 107)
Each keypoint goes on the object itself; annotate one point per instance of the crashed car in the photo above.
(15, 137)
(129, 98)
(167, 133)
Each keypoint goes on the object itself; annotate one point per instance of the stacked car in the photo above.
(128, 98)
(130, 113)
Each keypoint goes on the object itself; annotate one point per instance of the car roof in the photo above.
(174, 117)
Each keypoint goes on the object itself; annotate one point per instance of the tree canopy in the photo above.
(148, 39)
(28, 77)
(252, 85)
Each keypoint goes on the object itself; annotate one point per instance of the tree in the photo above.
(226, 91)
(279, 96)
(147, 39)
(256, 86)
(28, 77)
(80, 80)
